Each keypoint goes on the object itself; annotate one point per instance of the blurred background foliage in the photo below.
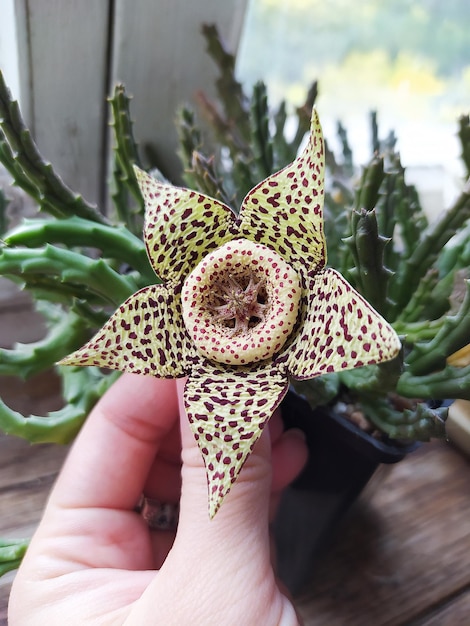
(409, 60)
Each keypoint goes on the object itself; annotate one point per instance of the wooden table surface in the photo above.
(402, 556)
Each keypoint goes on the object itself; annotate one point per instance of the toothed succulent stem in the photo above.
(368, 192)
(464, 136)
(418, 423)
(30, 171)
(449, 382)
(426, 251)
(115, 242)
(81, 389)
(230, 91)
(367, 246)
(454, 333)
(345, 149)
(261, 139)
(125, 156)
(3, 213)
(318, 391)
(207, 179)
(72, 269)
(67, 334)
(376, 380)
(12, 552)
(190, 141)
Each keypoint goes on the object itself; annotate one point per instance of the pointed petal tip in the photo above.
(79, 358)
(141, 176)
(137, 171)
(70, 359)
(217, 494)
(315, 116)
(214, 506)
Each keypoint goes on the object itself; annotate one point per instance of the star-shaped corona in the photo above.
(245, 303)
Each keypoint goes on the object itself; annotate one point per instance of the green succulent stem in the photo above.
(82, 388)
(453, 334)
(414, 332)
(367, 194)
(230, 91)
(126, 156)
(370, 275)
(374, 379)
(12, 552)
(208, 181)
(190, 141)
(464, 136)
(115, 242)
(261, 139)
(419, 423)
(67, 334)
(417, 306)
(318, 391)
(426, 252)
(72, 268)
(30, 171)
(345, 149)
(449, 382)
(3, 213)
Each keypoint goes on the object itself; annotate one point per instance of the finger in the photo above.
(243, 516)
(163, 481)
(289, 455)
(276, 426)
(110, 459)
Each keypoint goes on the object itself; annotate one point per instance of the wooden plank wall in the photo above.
(69, 53)
(62, 57)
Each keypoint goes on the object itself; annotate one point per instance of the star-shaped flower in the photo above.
(246, 302)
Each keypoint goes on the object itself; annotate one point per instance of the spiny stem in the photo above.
(367, 246)
(113, 241)
(230, 91)
(453, 334)
(125, 157)
(30, 171)
(82, 387)
(208, 181)
(25, 360)
(426, 251)
(261, 140)
(464, 136)
(449, 382)
(420, 423)
(3, 213)
(71, 267)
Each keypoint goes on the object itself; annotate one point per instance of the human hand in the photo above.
(93, 559)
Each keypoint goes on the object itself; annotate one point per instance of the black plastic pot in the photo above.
(342, 459)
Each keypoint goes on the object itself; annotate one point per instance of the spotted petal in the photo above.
(285, 211)
(227, 409)
(181, 226)
(145, 335)
(341, 331)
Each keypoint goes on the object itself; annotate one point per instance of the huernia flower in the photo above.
(246, 302)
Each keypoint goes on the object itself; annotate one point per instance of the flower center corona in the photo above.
(240, 303)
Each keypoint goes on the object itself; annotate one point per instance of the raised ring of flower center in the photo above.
(240, 303)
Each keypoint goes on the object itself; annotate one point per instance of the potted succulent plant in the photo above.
(80, 266)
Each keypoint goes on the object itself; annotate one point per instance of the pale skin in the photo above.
(93, 559)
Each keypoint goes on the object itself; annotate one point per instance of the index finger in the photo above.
(111, 457)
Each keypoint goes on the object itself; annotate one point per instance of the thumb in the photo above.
(242, 522)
